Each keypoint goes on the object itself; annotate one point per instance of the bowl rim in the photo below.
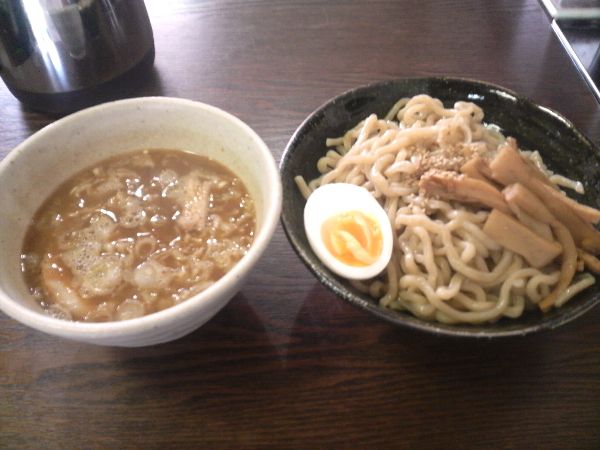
(401, 318)
(212, 295)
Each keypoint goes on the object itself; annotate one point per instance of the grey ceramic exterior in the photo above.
(52, 155)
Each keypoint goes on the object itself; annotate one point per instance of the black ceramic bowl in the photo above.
(563, 148)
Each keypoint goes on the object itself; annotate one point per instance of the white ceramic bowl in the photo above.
(30, 173)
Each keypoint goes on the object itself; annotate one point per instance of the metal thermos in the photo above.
(59, 56)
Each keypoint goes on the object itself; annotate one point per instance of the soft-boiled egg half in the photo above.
(348, 230)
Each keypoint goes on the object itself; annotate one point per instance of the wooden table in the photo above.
(287, 363)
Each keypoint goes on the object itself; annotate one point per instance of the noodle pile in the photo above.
(445, 267)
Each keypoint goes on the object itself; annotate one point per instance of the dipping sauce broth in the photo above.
(135, 234)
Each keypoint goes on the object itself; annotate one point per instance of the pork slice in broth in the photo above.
(192, 194)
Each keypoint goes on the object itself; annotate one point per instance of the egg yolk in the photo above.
(353, 238)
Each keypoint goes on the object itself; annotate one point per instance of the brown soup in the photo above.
(135, 234)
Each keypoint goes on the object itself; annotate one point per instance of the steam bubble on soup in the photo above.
(135, 234)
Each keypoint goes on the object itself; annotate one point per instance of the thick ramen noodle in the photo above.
(136, 234)
(482, 229)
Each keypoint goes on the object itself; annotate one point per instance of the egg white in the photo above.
(336, 198)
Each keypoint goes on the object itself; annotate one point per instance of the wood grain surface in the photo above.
(286, 363)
